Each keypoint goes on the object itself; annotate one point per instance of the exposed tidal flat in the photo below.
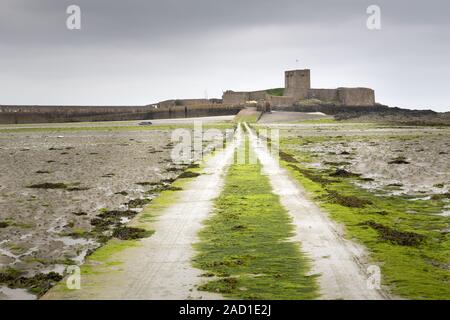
(64, 191)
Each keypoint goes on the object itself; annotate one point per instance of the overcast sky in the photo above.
(137, 52)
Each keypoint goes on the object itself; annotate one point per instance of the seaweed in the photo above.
(440, 196)
(188, 174)
(344, 174)
(138, 203)
(128, 233)
(394, 236)
(48, 185)
(4, 224)
(312, 176)
(399, 160)
(37, 284)
(347, 201)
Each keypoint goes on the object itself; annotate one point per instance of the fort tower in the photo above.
(297, 83)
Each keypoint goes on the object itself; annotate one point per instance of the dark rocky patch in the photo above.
(287, 157)
(347, 201)
(107, 220)
(312, 176)
(172, 188)
(440, 196)
(38, 284)
(42, 172)
(344, 174)
(128, 233)
(394, 236)
(399, 160)
(146, 183)
(337, 164)
(188, 174)
(4, 224)
(80, 213)
(77, 188)
(48, 185)
(138, 203)
(108, 175)
(101, 223)
(395, 185)
(116, 214)
(367, 179)
(377, 113)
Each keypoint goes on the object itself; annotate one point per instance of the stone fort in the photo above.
(297, 88)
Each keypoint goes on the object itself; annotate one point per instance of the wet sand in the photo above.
(97, 166)
(398, 160)
(53, 184)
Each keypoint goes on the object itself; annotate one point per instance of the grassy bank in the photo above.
(405, 237)
(245, 246)
(275, 92)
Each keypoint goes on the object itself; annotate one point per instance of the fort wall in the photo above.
(235, 97)
(356, 96)
(232, 97)
(283, 101)
(323, 94)
(257, 95)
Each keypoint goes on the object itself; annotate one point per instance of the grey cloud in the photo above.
(137, 52)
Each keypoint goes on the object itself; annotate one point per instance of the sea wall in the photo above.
(186, 102)
(43, 114)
